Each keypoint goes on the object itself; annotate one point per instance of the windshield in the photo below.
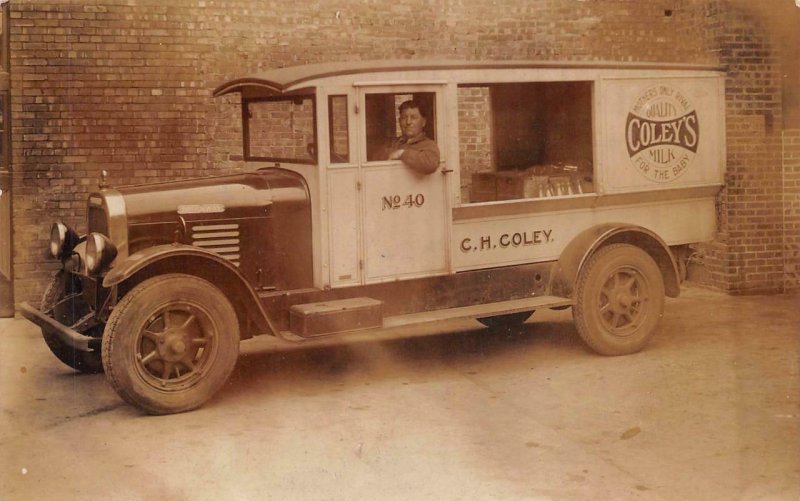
(280, 129)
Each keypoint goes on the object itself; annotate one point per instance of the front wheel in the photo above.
(170, 344)
(619, 300)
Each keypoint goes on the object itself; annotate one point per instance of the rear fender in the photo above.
(177, 258)
(580, 249)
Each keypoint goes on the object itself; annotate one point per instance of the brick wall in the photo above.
(124, 85)
(98, 86)
(474, 135)
(748, 256)
(791, 209)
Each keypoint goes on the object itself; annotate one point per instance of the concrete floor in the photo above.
(708, 411)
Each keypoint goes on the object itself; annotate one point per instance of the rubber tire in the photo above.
(131, 315)
(586, 312)
(87, 362)
(507, 321)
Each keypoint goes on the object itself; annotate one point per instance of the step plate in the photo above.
(328, 317)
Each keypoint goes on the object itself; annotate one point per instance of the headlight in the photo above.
(99, 252)
(62, 240)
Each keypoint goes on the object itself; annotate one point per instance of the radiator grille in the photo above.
(98, 220)
(222, 239)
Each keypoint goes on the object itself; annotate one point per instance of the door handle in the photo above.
(447, 171)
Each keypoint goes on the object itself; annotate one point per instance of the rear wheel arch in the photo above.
(578, 252)
(251, 316)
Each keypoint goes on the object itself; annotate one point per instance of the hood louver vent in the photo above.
(222, 239)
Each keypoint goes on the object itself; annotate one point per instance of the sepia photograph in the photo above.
(400, 250)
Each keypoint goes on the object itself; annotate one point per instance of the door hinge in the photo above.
(358, 185)
(360, 264)
(356, 109)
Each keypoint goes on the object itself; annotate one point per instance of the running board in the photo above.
(425, 317)
(478, 311)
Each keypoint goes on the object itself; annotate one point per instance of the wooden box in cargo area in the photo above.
(512, 185)
(483, 187)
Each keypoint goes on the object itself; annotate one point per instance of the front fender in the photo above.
(145, 257)
(580, 249)
(180, 258)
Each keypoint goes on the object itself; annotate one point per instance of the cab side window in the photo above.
(339, 129)
(383, 124)
(280, 129)
(525, 140)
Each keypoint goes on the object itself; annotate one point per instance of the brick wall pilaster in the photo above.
(749, 254)
(791, 209)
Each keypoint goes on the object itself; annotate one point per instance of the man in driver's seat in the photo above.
(414, 148)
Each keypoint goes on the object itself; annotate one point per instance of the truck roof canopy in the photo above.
(285, 80)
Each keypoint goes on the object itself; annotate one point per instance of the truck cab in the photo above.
(557, 185)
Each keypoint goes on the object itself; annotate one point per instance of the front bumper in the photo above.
(67, 335)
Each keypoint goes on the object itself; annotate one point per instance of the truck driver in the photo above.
(414, 148)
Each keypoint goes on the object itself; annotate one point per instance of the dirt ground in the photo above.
(710, 410)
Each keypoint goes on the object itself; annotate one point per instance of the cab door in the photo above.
(405, 216)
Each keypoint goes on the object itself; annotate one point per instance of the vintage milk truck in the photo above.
(559, 185)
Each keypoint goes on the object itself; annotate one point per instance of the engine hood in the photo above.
(238, 195)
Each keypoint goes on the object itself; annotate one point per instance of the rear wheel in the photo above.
(507, 321)
(170, 344)
(619, 300)
(68, 312)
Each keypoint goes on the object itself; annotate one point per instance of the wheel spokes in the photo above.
(167, 319)
(188, 362)
(628, 284)
(628, 315)
(152, 336)
(622, 300)
(188, 321)
(150, 357)
(167, 371)
(172, 347)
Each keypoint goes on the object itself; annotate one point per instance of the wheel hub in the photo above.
(177, 347)
(172, 345)
(624, 301)
(623, 294)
